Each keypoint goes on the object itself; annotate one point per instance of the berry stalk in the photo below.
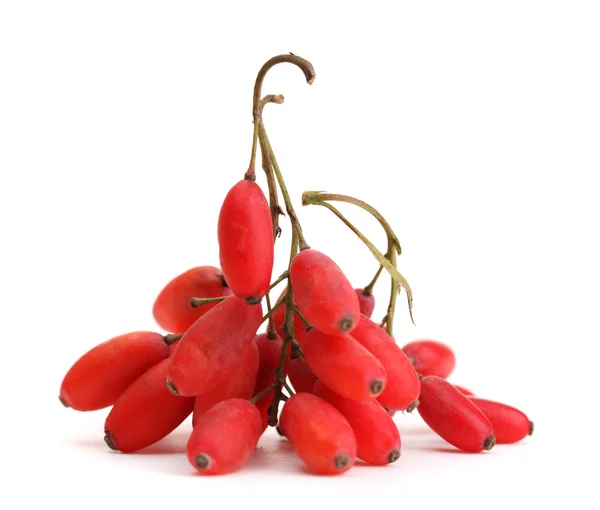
(295, 223)
(315, 198)
(257, 107)
(274, 178)
(276, 210)
(288, 337)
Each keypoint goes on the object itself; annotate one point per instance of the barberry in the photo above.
(319, 433)
(103, 373)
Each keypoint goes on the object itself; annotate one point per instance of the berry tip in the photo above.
(172, 388)
(412, 406)
(202, 461)
(489, 443)
(346, 324)
(109, 440)
(393, 456)
(341, 461)
(376, 387)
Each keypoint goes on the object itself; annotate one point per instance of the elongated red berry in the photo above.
(366, 302)
(103, 373)
(403, 386)
(319, 433)
(377, 437)
(146, 412)
(301, 376)
(453, 416)
(344, 365)
(510, 425)
(172, 310)
(431, 357)
(263, 405)
(246, 241)
(464, 391)
(279, 318)
(269, 353)
(213, 347)
(269, 350)
(224, 437)
(323, 293)
(239, 384)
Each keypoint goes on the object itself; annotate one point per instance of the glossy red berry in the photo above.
(103, 373)
(263, 405)
(269, 350)
(431, 357)
(344, 365)
(245, 236)
(146, 412)
(403, 386)
(464, 391)
(453, 416)
(270, 353)
(319, 433)
(239, 384)
(366, 302)
(323, 293)
(172, 310)
(510, 425)
(224, 437)
(301, 376)
(213, 347)
(377, 437)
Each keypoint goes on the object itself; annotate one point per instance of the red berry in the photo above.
(173, 346)
(263, 406)
(103, 373)
(377, 437)
(240, 384)
(301, 376)
(403, 386)
(146, 412)
(510, 425)
(279, 319)
(270, 353)
(172, 310)
(224, 437)
(344, 365)
(323, 293)
(246, 241)
(431, 357)
(453, 416)
(464, 391)
(366, 302)
(269, 350)
(319, 433)
(213, 347)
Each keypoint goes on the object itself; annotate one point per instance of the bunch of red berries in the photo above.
(339, 375)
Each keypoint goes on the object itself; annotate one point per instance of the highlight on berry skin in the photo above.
(302, 354)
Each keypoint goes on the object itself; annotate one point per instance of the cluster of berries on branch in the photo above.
(323, 372)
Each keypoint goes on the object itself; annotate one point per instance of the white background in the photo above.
(474, 127)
